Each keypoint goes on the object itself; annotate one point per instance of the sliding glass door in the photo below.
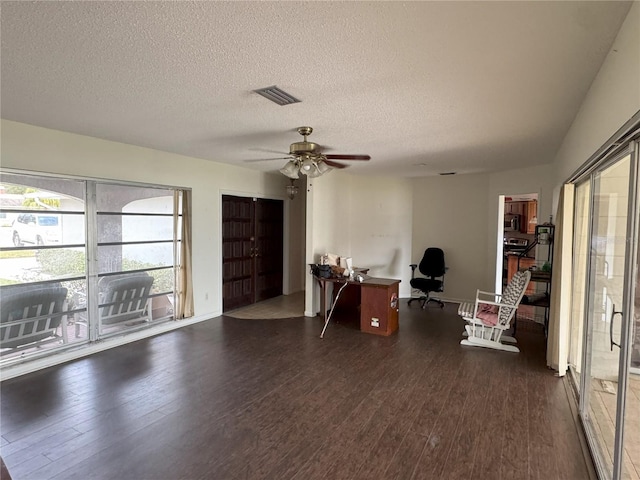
(603, 333)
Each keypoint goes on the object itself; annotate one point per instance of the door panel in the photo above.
(237, 237)
(252, 250)
(269, 239)
(606, 297)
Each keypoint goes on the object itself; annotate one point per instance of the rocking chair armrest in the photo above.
(496, 296)
(497, 304)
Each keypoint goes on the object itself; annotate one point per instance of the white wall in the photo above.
(450, 212)
(380, 227)
(38, 149)
(459, 213)
(614, 97)
(366, 218)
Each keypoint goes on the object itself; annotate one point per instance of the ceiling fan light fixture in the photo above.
(307, 158)
(314, 172)
(323, 167)
(290, 170)
(308, 165)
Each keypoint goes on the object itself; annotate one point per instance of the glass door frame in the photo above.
(630, 274)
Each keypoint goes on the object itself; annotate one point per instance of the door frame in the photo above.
(631, 257)
(286, 227)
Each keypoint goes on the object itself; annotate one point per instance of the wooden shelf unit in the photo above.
(534, 297)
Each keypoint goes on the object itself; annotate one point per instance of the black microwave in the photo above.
(511, 222)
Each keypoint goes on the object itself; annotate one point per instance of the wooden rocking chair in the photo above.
(491, 315)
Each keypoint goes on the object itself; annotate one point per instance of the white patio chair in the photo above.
(485, 327)
(31, 316)
(124, 300)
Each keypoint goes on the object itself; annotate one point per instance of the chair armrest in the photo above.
(494, 295)
(490, 302)
(413, 269)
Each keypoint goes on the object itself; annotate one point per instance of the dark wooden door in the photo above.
(252, 239)
(268, 248)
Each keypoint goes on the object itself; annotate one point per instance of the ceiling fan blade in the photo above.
(335, 164)
(347, 157)
(266, 159)
(277, 152)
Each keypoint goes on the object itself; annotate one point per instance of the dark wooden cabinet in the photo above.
(516, 208)
(373, 303)
(530, 219)
(527, 210)
(516, 263)
(379, 314)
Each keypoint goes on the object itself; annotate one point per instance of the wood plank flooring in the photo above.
(268, 399)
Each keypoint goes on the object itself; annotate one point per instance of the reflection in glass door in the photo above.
(605, 268)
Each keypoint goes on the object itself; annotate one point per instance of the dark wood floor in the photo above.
(254, 399)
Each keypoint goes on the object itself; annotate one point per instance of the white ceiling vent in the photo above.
(276, 95)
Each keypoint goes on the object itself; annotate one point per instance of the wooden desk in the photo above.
(374, 300)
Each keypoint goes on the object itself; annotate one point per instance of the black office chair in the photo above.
(433, 268)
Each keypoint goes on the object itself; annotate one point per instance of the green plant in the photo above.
(62, 262)
(72, 262)
(163, 279)
(32, 202)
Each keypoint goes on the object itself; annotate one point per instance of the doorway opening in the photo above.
(518, 214)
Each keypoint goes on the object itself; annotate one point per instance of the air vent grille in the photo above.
(277, 95)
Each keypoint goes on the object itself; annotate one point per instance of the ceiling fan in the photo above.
(307, 158)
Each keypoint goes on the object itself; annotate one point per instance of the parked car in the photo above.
(37, 228)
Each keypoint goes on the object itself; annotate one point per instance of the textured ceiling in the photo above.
(422, 87)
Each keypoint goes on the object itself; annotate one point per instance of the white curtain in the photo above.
(561, 284)
(184, 284)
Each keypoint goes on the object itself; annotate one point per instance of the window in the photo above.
(75, 270)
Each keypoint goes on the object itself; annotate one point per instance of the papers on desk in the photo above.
(346, 263)
(330, 259)
(343, 265)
